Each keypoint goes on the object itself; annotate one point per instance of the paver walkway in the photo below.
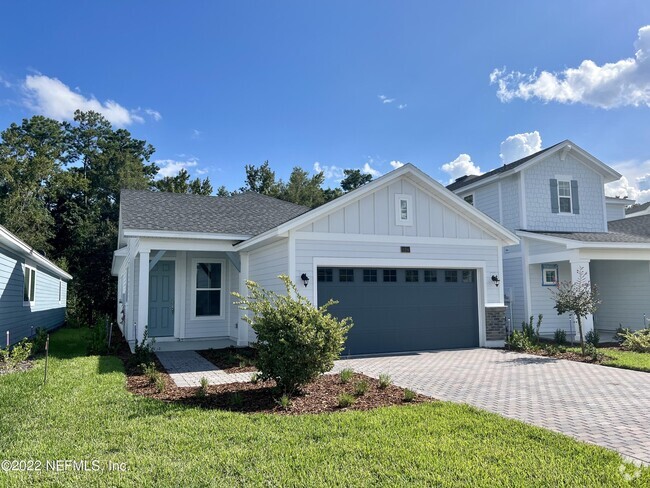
(596, 404)
(187, 368)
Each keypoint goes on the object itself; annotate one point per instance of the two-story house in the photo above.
(554, 200)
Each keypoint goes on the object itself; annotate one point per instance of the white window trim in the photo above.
(399, 198)
(223, 290)
(60, 291)
(564, 179)
(551, 267)
(469, 195)
(32, 302)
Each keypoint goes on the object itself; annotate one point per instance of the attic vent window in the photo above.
(469, 199)
(403, 210)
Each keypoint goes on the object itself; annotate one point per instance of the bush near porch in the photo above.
(85, 412)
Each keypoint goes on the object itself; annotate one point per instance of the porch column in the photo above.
(143, 294)
(242, 326)
(577, 266)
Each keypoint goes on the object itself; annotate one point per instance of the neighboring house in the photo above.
(554, 200)
(636, 210)
(415, 266)
(33, 290)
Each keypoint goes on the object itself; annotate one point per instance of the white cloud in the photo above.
(461, 166)
(385, 99)
(171, 167)
(331, 172)
(396, 164)
(154, 114)
(402, 106)
(5, 83)
(622, 83)
(196, 134)
(53, 98)
(367, 169)
(519, 146)
(635, 183)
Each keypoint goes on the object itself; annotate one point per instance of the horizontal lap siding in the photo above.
(18, 319)
(266, 264)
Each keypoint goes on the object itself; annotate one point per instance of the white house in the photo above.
(554, 200)
(414, 265)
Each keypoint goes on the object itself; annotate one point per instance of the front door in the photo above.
(161, 299)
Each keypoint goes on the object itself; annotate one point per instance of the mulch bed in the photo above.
(321, 396)
(22, 366)
(231, 359)
(570, 355)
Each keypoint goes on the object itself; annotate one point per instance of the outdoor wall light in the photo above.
(495, 280)
(305, 279)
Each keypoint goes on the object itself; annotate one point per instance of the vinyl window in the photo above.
(29, 285)
(564, 196)
(208, 287)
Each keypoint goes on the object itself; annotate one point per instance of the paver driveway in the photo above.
(597, 404)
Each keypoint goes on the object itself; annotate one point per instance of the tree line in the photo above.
(60, 186)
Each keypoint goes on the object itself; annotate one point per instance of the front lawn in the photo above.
(619, 358)
(85, 413)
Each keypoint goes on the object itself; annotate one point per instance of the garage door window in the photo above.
(412, 275)
(430, 275)
(468, 276)
(346, 275)
(390, 275)
(325, 274)
(451, 276)
(370, 275)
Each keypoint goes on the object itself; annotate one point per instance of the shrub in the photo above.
(203, 387)
(592, 337)
(346, 375)
(638, 341)
(518, 341)
(150, 371)
(160, 384)
(409, 395)
(592, 352)
(143, 351)
(97, 342)
(16, 354)
(255, 378)
(39, 340)
(384, 381)
(621, 332)
(559, 337)
(296, 340)
(284, 402)
(361, 388)
(346, 400)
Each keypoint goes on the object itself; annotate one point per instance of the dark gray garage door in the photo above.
(396, 310)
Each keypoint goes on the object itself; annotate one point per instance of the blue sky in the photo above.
(217, 85)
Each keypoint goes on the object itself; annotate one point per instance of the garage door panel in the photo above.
(404, 316)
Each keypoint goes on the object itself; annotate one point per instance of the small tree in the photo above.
(579, 298)
(296, 341)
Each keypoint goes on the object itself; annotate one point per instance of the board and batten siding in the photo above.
(624, 288)
(21, 320)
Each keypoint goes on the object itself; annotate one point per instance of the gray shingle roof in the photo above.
(636, 208)
(638, 226)
(631, 230)
(466, 180)
(242, 214)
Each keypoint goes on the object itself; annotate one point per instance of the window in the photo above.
(412, 275)
(29, 285)
(346, 275)
(549, 275)
(60, 290)
(325, 274)
(469, 199)
(451, 276)
(430, 275)
(564, 196)
(390, 275)
(403, 210)
(468, 276)
(208, 286)
(370, 275)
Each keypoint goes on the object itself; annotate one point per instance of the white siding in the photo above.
(540, 247)
(542, 300)
(267, 263)
(510, 202)
(624, 288)
(615, 211)
(486, 199)
(513, 283)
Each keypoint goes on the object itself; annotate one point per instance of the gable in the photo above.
(375, 213)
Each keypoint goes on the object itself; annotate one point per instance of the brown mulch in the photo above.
(231, 359)
(21, 366)
(569, 355)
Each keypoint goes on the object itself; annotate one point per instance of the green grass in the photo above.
(638, 361)
(85, 413)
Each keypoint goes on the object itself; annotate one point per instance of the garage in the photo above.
(403, 309)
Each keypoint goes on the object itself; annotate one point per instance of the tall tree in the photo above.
(303, 189)
(261, 180)
(181, 184)
(354, 178)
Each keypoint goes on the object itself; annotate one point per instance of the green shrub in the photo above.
(284, 402)
(296, 340)
(592, 337)
(384, 381)
(346, 375)
(14, 355)
(346, 400)
(409, 395)
(203, 387)
(160, 383)
(361, 388)
(255, 378)
(39, 340)
(97, 342)
(518, 341)
(621, 332)
(559, 337)
(143, 351)
(150, 371)
(638, 341)
(592, 352)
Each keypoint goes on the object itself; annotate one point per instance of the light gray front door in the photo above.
(398, 310)
(161, 299)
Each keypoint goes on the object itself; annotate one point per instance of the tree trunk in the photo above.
(582, 340)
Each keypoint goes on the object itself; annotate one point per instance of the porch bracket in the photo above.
(155, 259)
(234, 258)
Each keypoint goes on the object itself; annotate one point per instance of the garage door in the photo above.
(397, 310)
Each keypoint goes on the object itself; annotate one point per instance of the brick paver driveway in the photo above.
(597, 404)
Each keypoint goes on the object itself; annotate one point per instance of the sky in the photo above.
(452, 87)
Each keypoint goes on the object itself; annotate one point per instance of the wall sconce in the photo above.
(305, 279)
(495, 280)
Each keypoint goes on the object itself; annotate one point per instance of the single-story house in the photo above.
(414, 265)
(33, 290)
